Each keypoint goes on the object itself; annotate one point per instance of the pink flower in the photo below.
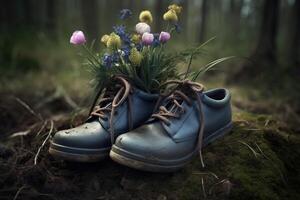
(77, 38)
(142, 28)
(147, 38)
(164, 37)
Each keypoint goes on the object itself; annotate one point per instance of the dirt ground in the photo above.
(259, 159)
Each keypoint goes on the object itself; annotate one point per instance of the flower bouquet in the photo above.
(139, 54)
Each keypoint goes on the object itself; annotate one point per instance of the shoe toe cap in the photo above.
(89, 135)
(152, 143)
(144, 145)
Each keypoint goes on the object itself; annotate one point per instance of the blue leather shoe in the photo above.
(187, 120)
(121, 109)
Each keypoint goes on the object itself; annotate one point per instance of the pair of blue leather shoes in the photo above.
(127, 126)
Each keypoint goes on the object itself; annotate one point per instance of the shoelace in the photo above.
(111, 101)
(174, 97)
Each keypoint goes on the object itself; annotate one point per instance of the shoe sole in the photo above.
(82, 155)
(120, 156)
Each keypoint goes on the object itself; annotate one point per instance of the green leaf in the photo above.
(210, 66)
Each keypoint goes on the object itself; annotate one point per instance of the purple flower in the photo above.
(147, 38)
(126, 52)
(77, 38)
(107, 60)
(121, 31)
(142, 28)
(125, 13)
(164, 37)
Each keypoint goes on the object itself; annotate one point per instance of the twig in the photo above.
(40, 148)
(42, 128)
(207, 173)
(273, 164)
(203, 188)
(242, 121)
(28, 108)
(250, 148)
(19, 191)
(21, 133)
(267, 122)
(214, 185)
(59, 93)
(67, 98)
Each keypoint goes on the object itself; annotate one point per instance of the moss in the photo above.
(255, 164)
(259, 159)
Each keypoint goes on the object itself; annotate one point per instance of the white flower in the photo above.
(142, 28)
(122, 53)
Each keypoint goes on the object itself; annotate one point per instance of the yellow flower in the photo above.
(104, 39)
(135, 38)
(170, 16)
(146, 16)
(135, 57)
(114, 41)
(176, 8)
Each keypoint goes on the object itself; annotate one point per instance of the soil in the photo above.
(259, 159)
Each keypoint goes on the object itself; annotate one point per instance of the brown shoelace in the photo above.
(176, 109)
(115, 99)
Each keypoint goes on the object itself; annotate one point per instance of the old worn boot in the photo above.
(121, 108)
(187, 120)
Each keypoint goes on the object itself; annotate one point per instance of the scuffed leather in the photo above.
(94, 134)
(91, 135)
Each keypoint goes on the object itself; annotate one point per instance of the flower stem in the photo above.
(91, 54)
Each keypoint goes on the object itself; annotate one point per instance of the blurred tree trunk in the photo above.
(184, 16)
(235, 15)
(204, 11)
(51, 15)
(6, 14)
(294, 39)
(91, 18)
(263, 59)
(139, 6)
(266, 48)
(159, 9)
(28, 14)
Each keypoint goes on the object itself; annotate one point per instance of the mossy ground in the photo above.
(259, 159)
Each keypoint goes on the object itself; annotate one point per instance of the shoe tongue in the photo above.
(172, 107)
(109, 93)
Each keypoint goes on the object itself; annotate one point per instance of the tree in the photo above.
(263, 59)
(235, 14)
(51, 11)
(266, 48)
(294, 39)
(159, 9)
(204, 12)
(90, 18)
